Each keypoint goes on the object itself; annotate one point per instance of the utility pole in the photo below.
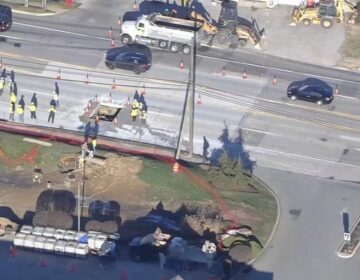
(189, 98)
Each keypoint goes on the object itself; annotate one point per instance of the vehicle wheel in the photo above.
(137, 71)
(222, 38)
(163, 44)
(174, 47)
(327, 23)
(293, 97)
(126, 39)
(135, 258)
(111, 66)
(8, 229)
(319, 102)
(242, 42)
(306, 22)
(186, 49)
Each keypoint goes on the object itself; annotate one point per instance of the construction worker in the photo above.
(134, 109)
(12, 112)
(3, 74)
(13, 97)
(12, 76)
(2, 84)
(34, 99)
(15, 90)
(144, 113)
(32, 108)
(56, 100)
(52, 112)
(21, 109)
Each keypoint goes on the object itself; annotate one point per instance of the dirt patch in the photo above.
(351, 49)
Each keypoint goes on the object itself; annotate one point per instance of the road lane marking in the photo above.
(269, 151)
(10, 37)
(260, 131)
(61, 31)
(275, 68)
(350, 138)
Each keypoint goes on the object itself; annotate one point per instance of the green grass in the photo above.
(13, 146)
(166, 185)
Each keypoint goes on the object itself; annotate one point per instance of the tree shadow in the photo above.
(234, 148)
(8, 213)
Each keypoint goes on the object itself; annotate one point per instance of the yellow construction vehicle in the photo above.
(325, 13)
(231, 28)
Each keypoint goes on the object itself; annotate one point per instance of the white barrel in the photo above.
(70, 235)
(60, 247)
(38, 231)
(19, 239)
(70, 248)
(49, 244)
(49, 232)
(59, 234)
(82, 250)
(39, 243)
(26, 229)
(29, 241)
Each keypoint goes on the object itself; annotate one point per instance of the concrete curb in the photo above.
(34, 14)
(240, 274)
(345, 255)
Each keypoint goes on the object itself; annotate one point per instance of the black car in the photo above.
(5, 18)
(133, 57)
(312, 90)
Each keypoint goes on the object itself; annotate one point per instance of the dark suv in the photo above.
(5, 18)
(133, 57)
(311, 89)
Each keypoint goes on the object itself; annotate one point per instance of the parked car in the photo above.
(134, 57)
(313, 90)
(5, 18)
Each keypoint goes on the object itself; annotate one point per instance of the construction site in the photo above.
(128, 194)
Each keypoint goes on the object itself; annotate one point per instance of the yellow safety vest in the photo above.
(56, 97)
(135, 104)
(143, 116)
(13, 98)
(20, 110)
(1, 84)
(52, 109)
(32, 108)
(93, 143)
(11, 110)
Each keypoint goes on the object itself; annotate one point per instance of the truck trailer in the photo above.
(165, 32)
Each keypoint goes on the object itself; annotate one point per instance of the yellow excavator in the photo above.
(230, 28)
(325, 13)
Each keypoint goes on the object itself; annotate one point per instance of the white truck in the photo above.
(165, 32)
(66, 242)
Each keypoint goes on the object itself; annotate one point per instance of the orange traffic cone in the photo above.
(135, 7)
(176, 167)
(223, 71)
(199, 102)
(181, 66)
(337, 90)
(244, 75)
(111, 32)
(113, 85)
(113, 42)
(274, 81)
(59, 75)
